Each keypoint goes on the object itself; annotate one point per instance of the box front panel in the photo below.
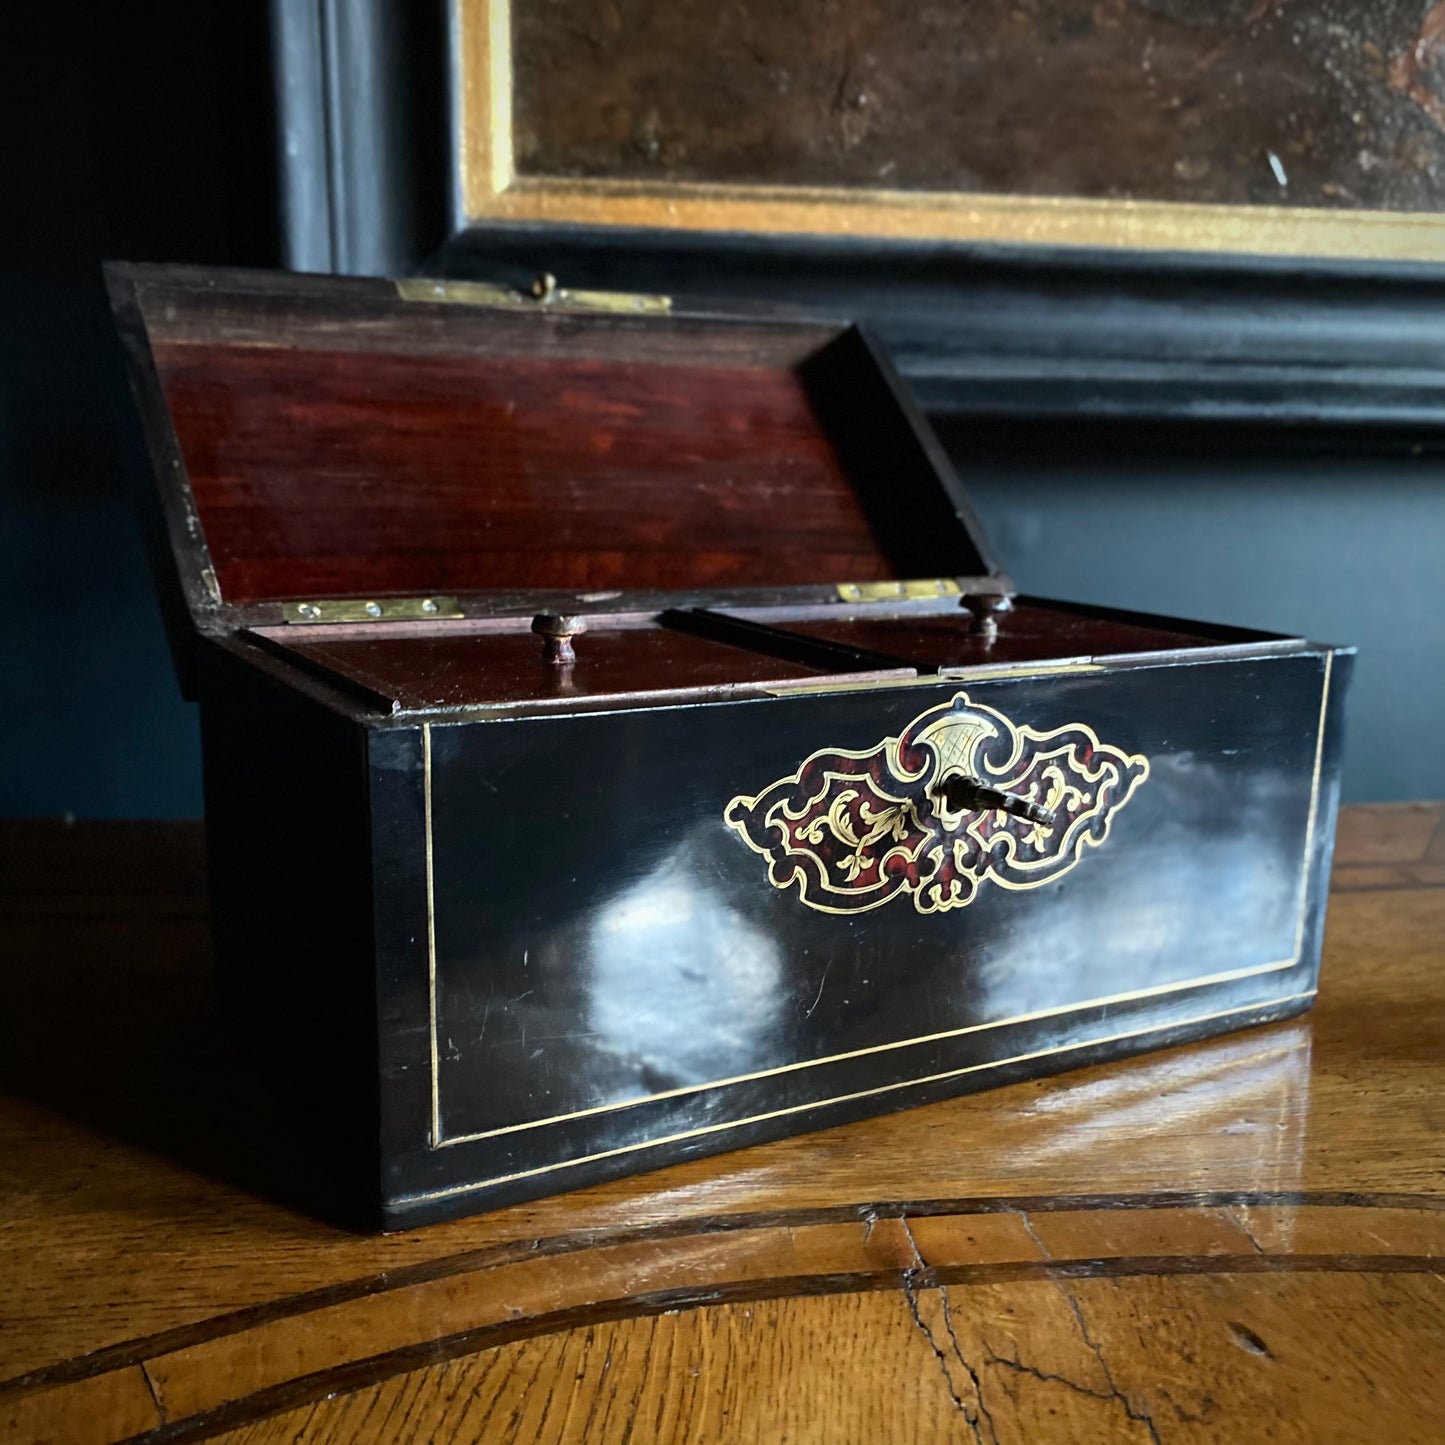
(667, 932)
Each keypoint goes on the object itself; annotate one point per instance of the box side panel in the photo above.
(407, 1039)
(619, 974)
(1320, 843)
(287, 838)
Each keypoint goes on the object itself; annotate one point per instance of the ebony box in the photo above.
(621, 746)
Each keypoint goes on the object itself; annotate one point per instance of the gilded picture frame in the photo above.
(490, 189)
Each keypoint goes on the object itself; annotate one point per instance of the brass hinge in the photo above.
(545, 295)
(893, 591)
(982, 672)
(853, 682)
(373, 609)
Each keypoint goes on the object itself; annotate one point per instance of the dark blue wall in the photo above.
(140, 132)
(93, 723)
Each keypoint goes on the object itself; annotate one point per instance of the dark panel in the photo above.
(914, 500)
(1285, 102)
(401, 909)
(288, 856)
(666, 962)
(1142, 1029)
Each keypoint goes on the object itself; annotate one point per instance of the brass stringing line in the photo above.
(1133, 996)
(849, 1098)
(431, 939)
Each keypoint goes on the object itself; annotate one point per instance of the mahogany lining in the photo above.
(345, 473)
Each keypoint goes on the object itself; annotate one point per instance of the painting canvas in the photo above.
(1267, 126)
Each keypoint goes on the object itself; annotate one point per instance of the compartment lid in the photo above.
(321, 443)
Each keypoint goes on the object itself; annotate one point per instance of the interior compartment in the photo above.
(1032, 631)
(499, 662)
(464, 666)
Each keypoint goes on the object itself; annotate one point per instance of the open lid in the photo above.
(321, 443)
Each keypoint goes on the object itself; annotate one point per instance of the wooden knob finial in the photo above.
(557, 630)
(985, 607)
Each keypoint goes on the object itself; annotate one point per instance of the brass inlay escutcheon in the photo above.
(910, 816)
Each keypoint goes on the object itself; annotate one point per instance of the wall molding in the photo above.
(1020, 332)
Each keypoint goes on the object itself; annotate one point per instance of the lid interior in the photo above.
(338, 441)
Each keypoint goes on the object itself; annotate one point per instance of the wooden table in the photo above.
(1238, 1240)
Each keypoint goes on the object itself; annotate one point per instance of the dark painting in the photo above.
(1322, 103)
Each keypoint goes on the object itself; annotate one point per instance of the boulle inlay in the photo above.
(855, 830)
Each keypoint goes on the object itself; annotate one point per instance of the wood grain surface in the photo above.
(1235, 1240)
(343, 472)
(322, 436)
